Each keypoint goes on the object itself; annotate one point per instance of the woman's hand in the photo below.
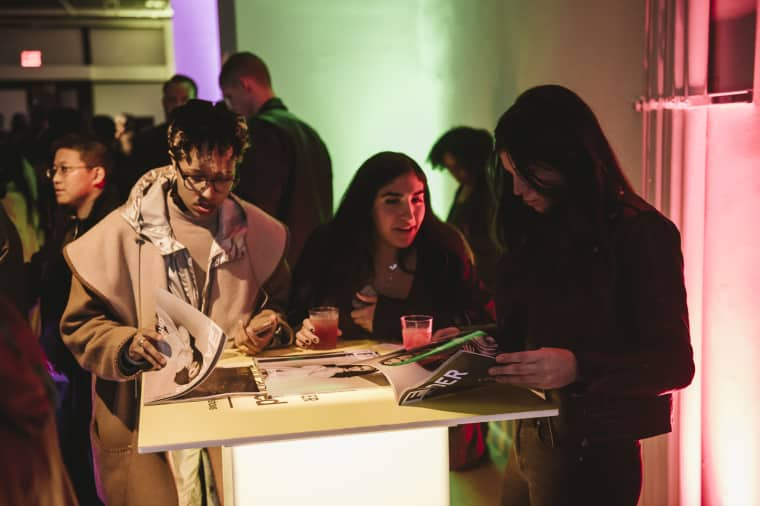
(305, 337)
(257, 335)
(143, 348)
(541, 368)
(445, 333)
(365, 315)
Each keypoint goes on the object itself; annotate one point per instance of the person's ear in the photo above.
(99, 181)
(248, 84)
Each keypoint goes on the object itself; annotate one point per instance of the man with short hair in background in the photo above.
(466, 153)
(151, 148)
(287, 172)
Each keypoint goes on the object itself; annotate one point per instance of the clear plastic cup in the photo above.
(416, 330)
(325, 322)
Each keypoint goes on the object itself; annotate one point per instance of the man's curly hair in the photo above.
(202, 125)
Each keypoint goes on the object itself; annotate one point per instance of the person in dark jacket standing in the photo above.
(81, 179)
(466, 153)
(152, 146)
(591, 306)
(287, 172)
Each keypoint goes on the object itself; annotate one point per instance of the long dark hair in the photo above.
(550, 126)
(353, 228)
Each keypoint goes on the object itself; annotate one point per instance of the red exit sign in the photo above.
(31, 58)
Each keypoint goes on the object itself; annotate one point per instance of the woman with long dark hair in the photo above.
(383, 255)
(591, 306)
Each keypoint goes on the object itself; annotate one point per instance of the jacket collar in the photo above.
(106, 202)
(146, 212)
(271, 104)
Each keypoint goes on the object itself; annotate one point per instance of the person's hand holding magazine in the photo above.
(543, 368)
(143, 349)
(260, 330)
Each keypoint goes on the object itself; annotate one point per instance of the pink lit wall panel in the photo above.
(692, 225)
(731, 309)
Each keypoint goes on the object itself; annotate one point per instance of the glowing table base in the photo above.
(371, 469)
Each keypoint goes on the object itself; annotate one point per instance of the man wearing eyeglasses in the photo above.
(181, 230)
(81, 178)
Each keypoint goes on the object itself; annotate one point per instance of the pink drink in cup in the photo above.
(416, 330)
(325, 322)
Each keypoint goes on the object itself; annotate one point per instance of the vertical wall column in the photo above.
(196, 44)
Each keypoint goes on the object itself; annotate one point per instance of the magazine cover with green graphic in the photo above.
(438, 368)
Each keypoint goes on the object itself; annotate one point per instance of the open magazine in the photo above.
(192, 345)
(438, 368)
(319, 373)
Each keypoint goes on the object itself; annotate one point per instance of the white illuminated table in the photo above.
(342, 448)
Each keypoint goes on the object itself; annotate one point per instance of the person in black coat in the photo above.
(152, 146)
(466, 153)
(287, 171)
(591, 306)
(81, 177)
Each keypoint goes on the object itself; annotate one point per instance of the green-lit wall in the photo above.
(374, 76)
(395, 74)
(594, 47)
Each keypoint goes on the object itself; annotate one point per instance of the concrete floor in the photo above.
(482, 486)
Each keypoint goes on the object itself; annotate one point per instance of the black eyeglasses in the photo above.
(63, 169)
(199, 184)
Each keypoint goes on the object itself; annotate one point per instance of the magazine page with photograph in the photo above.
(224, 381)
(438, 368)
(319, 373)
(191, 343)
